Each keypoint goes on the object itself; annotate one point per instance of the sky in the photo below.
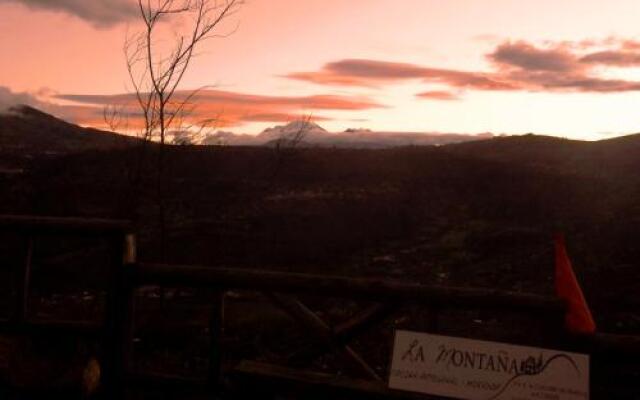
(568, 68)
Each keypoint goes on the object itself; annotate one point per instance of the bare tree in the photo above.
(156, 69)
(155, 77)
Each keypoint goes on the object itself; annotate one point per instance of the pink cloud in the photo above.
(100, 13)
(528, 57)
(373, 73)
(620, 58)
(519, 65)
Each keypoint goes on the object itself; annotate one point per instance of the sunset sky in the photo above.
(562, 67)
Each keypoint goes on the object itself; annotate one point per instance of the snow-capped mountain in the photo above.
(306, 130)
(310, 134)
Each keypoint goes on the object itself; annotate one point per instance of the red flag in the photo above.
(578, 318)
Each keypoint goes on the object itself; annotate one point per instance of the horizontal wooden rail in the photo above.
(54, 327)
(357, 288)
(167, 381)
(60, 225)
(607, 345)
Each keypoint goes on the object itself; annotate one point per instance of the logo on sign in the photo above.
(473, 369)
(415, 352)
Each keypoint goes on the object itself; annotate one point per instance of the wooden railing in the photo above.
(280, 289)
(385, 293)
(116, 233)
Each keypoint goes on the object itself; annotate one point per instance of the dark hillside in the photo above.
(616, 158)
(27, 133)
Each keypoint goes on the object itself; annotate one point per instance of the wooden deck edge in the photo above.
(43, 225)
(256, 376)
(46, 327)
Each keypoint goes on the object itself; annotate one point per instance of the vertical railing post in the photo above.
(216, 331)
(129, 260)
(22, 279)
(118, 303)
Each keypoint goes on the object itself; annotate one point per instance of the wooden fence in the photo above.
(280, 289)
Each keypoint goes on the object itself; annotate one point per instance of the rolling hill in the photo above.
(27, 133)
(617, 158)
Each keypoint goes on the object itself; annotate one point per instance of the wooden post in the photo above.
(216, 332)
(130, 249)
(116, 321)
(129, 259)
(23, 277)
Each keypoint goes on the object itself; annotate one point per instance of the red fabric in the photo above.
(578, 318)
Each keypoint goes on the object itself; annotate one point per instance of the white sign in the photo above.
(478, 370)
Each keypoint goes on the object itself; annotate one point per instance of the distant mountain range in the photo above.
(309, 134)
(27, 133)
(27, 130)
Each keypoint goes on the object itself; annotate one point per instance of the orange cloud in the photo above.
(228, 108)
(277, 117)
(330, 78)
(438, 95)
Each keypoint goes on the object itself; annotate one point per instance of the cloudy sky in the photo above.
(562, 67)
